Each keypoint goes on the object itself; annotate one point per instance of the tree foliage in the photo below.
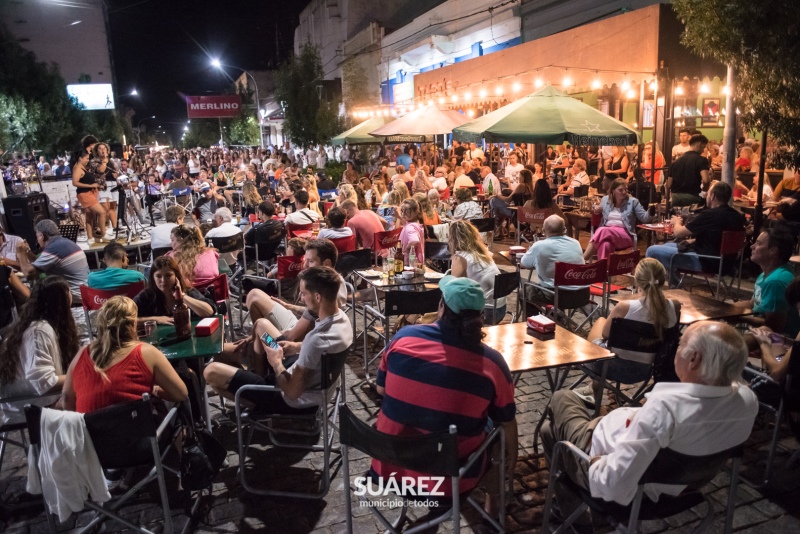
(355, 90)
(761, 40)
(308, 119)
(35, 110)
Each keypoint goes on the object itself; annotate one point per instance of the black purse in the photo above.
(201, 458)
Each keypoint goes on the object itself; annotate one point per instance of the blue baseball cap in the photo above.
(462, 294)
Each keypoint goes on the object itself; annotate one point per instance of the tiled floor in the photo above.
(230, 509)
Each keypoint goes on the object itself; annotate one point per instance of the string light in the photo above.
(625, 85)
(470, 113)
(726, 90)
(704, 88)
(467, 95)
(595, 84)
(679, 90)
(441, 100)
(539, 82)
(630, 94)
(515, 87)
(654, 86)
(385, 112)
(567, 81)
(454, 98)
(482, 93)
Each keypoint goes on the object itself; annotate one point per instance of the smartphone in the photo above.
(271, 343)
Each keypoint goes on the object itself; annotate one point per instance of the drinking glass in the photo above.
(151, 332)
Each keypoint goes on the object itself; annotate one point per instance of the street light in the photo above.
(218, 65)
(139, 131)
(134, 93)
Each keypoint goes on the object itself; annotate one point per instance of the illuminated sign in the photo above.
(93, 95)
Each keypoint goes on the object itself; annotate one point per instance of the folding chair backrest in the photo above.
(347, 262)
(580, 191)
(345, 244)
(289, 267)
(182, 192)
(120, 434)
(444, 195)
(505, 284)
(386, 240)
(93, 299)
(292, 229)
(332, 366)
(625, 263)
(664, 364)
(484, 225)
(670, 467)
(533, 216)
(572, 274)
(732, 243)
(410, 302)
(436, 250)
(326, 206)
(220, 287)
(633, 340)
(435, 453)
(160, 251)
(231, 243)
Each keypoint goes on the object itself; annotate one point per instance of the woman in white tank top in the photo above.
(652, 308)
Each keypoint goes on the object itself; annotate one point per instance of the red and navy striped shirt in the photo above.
(432, 380)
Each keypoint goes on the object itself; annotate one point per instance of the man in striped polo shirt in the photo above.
(433, 376)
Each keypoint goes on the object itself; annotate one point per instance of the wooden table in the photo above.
(653, 229)
(395, 283)
(556, 354)
(579, 220)
(694, 308)
(193, 347)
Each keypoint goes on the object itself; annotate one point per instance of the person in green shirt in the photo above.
(116, 274)
(771, 252)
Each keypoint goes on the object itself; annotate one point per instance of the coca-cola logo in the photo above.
(99, 300)
(298, 266)
(626, 264)
(388, 240)
(588, 274)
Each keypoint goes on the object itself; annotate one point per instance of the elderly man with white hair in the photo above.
(707, 412)
(224, 227)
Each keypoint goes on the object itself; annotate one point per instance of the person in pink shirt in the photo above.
(413, 234)
(364, 223)
(198, 263)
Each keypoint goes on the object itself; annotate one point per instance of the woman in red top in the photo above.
(116, 368)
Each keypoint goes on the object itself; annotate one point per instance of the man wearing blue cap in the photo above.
(436, 375)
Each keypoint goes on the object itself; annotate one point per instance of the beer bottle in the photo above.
(180, 316)
(398, 261)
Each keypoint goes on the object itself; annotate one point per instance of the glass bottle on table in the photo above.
(398, 261)
(388, 262)
(180, 317)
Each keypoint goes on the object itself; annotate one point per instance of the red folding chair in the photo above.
(534, 218)
(326, 206)
(731, 245)
(385, 241)
(253, 218)
(293, 229)
(93, 299)
(567, 301)
(444, 195)
(618, 265)
(222, 296)
(345, 244)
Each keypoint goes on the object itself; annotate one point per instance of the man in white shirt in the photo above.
(513, 169)
(160, 235)
(311, 155)
(302, 215)
(337, 229)
(707, 412)
(439, 179)
(224, 227)
(8, 249)
(684, 146)
(476, 153)
(488, 177)
(579, 178)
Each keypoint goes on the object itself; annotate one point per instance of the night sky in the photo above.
(163, 47)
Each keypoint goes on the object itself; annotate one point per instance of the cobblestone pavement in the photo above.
(230, 509)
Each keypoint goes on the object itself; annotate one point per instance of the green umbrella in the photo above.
(550, 117)
(359, 134)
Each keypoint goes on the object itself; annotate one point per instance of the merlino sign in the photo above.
(212, 107)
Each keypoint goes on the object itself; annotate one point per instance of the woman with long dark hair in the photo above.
(164, 287)
(36, 350)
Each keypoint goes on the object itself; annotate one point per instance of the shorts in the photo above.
(88, 199)
(282, 318)
(266, 401)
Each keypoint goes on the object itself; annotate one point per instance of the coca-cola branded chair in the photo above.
(385, 241)
(345, 244)
(618, 265)
(571, 292)
(93, 299)
(533, 218)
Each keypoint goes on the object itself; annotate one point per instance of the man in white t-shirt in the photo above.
(684, 147)
(303, 214)
(475, 152)
(439, 179)
(160, 235)
(224, 227)
(512, 170)
(579, 178)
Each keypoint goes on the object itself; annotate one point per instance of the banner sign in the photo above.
(212, 107)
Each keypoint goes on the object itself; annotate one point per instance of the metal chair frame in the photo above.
(731, 243)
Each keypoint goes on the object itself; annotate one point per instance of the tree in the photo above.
(354, 91)
(308, 118)
(762, 42)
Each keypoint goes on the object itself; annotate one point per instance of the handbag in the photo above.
(202, 456)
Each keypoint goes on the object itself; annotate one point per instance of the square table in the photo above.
(555, 354)
(694, 308)
(193, 347)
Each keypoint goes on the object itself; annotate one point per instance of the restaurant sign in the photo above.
(213, 107)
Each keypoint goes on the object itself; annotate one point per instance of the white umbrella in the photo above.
(416, 126)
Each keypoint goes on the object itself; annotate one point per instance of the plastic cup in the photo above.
(151, 332)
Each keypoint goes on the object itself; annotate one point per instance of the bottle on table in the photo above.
(398, 262)
(412, 260)
(490, 189)
(180, 316)
(389, 263)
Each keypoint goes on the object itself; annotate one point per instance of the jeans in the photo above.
(500, 209)
(664, 254)
(490, 320)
